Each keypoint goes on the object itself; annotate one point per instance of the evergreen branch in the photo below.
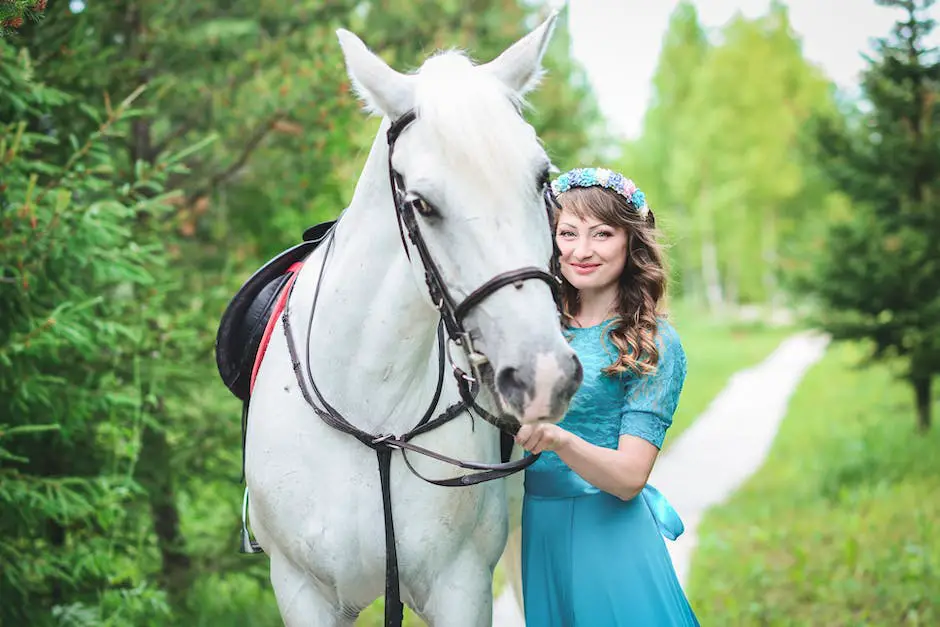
(14, 12)
(164, 143)
(101, 132)
(113, 117)
(257, 136)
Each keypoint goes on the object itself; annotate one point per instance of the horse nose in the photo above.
(540, 389)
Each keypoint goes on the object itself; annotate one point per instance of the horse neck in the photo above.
(374, 334)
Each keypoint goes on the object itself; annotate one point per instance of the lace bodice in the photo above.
(606, 407)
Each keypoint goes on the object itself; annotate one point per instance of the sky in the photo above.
(618, 42)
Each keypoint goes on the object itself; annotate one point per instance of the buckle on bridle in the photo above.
(461, 374)
(383, 439)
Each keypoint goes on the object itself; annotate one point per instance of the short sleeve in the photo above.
(651, 400)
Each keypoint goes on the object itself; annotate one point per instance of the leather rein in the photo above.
(451, 323)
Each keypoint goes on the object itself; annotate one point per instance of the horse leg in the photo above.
(462, 595)
(300, 602)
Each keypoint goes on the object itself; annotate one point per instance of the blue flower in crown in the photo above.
(638, 199)
(562, 183)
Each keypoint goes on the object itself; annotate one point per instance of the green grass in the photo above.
(841, 526)
(374, 615)
(715, 350)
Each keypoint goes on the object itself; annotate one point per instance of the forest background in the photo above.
(153, 154)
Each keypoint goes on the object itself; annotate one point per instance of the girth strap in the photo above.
(394, 608)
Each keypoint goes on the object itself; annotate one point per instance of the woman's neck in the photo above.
(595, 307)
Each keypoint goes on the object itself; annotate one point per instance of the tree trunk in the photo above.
(688, 278)
(711, 276)
(769, 245)
(155, 474)
(923, 400)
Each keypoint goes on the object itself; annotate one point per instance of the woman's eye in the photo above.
(602, 234)
(565, 234)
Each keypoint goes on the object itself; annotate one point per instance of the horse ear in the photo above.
(520, 65)
(382, 89)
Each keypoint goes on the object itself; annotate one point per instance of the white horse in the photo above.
(476, 171)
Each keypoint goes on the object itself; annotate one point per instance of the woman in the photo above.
(592, 548)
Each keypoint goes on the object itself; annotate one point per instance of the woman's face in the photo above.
(593, 254)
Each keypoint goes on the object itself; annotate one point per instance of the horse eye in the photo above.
(544, 177)
(422, 206)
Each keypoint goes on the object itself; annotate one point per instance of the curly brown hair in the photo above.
(642, 283)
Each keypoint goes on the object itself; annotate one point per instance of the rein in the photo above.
(451, 323)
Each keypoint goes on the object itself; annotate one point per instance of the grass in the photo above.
(374, 615)
(842, 524)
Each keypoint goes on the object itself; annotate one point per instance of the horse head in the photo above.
(469, 177)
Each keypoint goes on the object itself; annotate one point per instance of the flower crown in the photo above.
(601, 177)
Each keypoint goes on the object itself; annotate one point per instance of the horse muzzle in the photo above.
(539, 388)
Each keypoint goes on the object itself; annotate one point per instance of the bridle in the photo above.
(451, 323)
(452, 313)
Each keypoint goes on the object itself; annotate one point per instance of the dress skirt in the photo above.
(594, 560)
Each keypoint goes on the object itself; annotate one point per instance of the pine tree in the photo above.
(877, 276)
(77, 273)
(14, 13)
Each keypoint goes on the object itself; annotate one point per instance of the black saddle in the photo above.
(242, 326)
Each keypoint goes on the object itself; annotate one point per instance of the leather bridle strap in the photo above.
(512, 277)
(453, 314)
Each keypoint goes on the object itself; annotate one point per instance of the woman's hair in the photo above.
(642, 284)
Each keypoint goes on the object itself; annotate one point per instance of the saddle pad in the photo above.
(245, 321)
(282, 295)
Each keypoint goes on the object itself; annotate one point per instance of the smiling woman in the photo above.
(611, 261)
(592, 546)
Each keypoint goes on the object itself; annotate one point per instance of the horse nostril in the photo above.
(511, 386)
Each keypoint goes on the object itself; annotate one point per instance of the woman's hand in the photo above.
(542, 437)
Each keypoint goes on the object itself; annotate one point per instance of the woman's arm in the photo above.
(647, 411)
(622, 472)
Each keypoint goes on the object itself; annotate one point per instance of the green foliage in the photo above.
(721, 157)
(875, 275)
(651, 158)
(840, 526)
(76, 276)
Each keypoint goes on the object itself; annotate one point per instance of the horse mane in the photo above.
(476, 119)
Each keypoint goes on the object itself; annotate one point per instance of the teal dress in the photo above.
(590, 559)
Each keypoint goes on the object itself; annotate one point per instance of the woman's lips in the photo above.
(585, 268)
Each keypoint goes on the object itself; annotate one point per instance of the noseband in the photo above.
(452, 320)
